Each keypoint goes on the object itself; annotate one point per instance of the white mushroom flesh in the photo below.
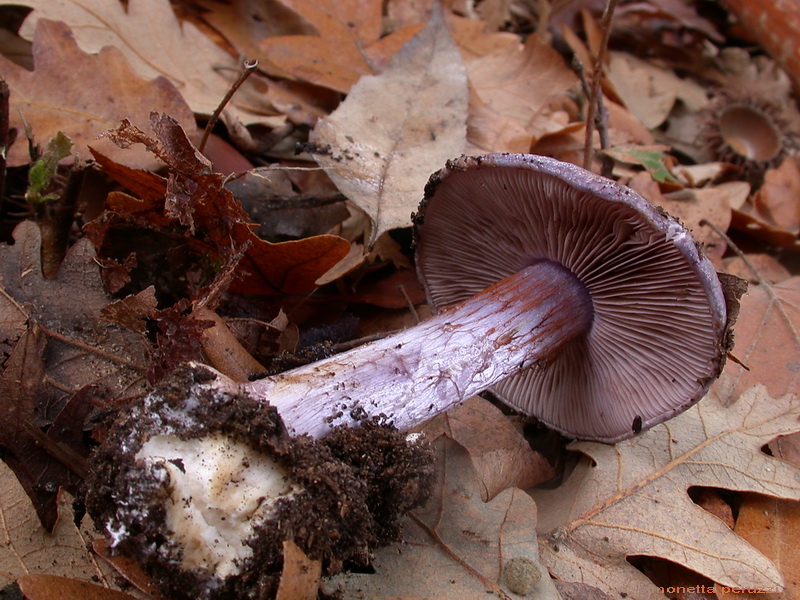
(220, 489)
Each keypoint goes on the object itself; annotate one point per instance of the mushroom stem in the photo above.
(414, 375)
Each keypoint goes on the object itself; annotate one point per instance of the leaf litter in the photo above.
(418, 91)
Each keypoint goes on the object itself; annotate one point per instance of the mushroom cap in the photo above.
(657, 337)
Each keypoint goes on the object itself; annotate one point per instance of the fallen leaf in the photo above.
(648, 91)
(27, 548)
(766, 266)
(82, 95)
(300, 575)
(62, 349)
(500, 454)
(336, 57)
(520, 81)
(692, 207)
(772, 526)
(628, 502)
(767, 341)
(53, 587)
(81, 348)
(457, 546)
(773, 214)
(382, 143)
(196, 199)
(154, 42)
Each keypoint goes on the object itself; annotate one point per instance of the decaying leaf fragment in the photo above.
(635, 501)
(194, 198)
(55, 348)
(382, 143)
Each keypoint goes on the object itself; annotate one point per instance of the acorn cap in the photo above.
(657, 339)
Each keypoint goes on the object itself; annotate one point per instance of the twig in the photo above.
(248, 67)
(594, 95)
(4, 94)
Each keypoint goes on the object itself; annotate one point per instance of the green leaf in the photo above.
(42, 171)
(654, 161)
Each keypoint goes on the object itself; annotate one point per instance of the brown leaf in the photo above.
(346, 48)
(624, 500)
(772, 526)
(382, 143)
(457, 546)
(767, 341)
(691, 207)
(81, 348)
(500, 455)
(773, 214)
(64, 348)
(520, 81)
(82, 96)
(27, 548)
(300, 575)
(131, 311)
(156, 44)
(197, 199)
(53, 587)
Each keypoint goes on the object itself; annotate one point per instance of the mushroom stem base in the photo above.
(414, 375)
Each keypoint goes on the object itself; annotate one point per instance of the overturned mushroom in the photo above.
(601, 307)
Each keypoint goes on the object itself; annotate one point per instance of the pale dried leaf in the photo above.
(155, 43)
(635, 501)
(26, 548)
(500, 454)
(382, 143)
(649, 91)
(87, 350)
(300, 575)
(457, 545)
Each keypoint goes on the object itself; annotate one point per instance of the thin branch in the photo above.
(248, 67)
(594, 98)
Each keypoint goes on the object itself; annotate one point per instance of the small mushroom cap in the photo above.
(657, 338)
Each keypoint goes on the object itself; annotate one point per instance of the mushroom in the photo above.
(568, 294)
(601, 306)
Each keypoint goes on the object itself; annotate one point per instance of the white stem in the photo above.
(414, 375)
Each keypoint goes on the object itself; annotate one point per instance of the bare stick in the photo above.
(248, 67)
(597, 75)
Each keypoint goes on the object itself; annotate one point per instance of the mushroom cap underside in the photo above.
(657, 338)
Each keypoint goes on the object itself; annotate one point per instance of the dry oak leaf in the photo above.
(772, 526)
(348, 43)
(155, 43)
(27, 548)
(382, 143)
(634, 500)
(767, 341)
(773, 213)
(81, 349)
(197, 198)
(500, 454)
(523, 82)
(457, 546)
(82, 95)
